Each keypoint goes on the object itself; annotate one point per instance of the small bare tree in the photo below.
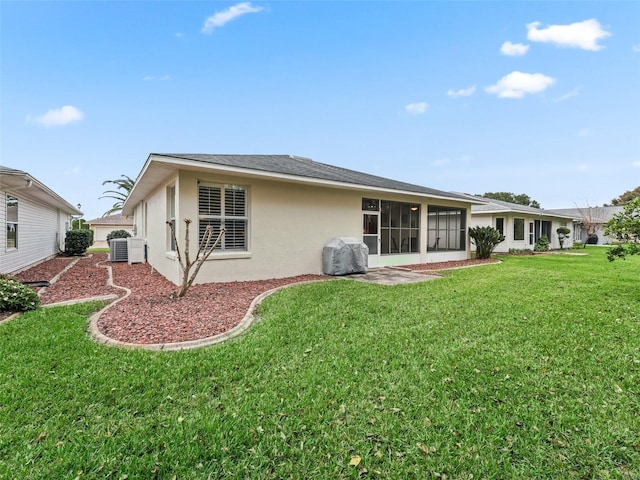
(206, 247)
(591, 219)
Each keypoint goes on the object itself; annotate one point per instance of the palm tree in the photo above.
(125, 184)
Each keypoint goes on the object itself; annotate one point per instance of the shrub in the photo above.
(77, 241)
(117, 234)
(542, 245)
(17, 297)
(578, 245)
(485, 240)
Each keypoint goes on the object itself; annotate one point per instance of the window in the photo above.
(171, 217)
(518, 228)
(531, 233)
(399, 227)
(224, 206)
(500, 225)
(12, 221)
(370, 204)
(447, 229)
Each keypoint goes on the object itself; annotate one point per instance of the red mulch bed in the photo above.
(152, 313)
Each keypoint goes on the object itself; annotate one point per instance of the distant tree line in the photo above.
(520, 199)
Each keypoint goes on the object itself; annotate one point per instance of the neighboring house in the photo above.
(34, 221)
(103, 226)
(280, 210)
(521, 225)
(592, 219)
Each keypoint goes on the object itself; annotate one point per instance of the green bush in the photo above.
(485, 240)
(77, 241)
(542, 245)
(117, 234)
(17, 297)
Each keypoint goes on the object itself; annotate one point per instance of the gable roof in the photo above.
(112, 220)
(593, 214)
(20, 182)
(278, 167)
(491, 205)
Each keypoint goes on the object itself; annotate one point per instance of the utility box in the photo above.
(118, 250)
(135, 250)
(344, 255)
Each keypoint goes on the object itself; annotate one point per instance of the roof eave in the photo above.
(22, 181)
(139, 190)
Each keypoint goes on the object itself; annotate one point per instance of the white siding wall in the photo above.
(38, 225)
(509, 243)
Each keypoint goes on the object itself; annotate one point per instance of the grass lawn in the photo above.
(526, 369)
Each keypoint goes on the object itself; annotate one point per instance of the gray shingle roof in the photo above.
(11, 171)
(594, 214)
(494, 206)
(305, 167)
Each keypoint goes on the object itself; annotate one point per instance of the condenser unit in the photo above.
(135, 250)
(118, 250)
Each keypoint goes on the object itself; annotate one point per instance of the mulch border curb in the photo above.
(244, 324)
(248, 319)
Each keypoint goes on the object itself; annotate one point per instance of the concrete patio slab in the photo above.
(391, 276)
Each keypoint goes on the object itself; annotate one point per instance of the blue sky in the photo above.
(541, 98)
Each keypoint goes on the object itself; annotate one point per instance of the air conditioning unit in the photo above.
(135, 250)
(118, 250)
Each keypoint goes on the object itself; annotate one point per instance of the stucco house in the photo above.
(521, 225)
(589, 223)
(103, 226)
(35, 220)
(280, 210)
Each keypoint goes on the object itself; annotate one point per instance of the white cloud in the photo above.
(223, 17)
(636, 164)
(584, 132)
(514, 49)
(636, 48)
(583, 167)
(566, 96)
(149, 78)
(464, 92)
(58, 117)
(416, 108)
(584, 35)
(518, 84)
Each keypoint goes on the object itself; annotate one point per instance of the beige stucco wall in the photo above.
(289, 224)
(100, 232)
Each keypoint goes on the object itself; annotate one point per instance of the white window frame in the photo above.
(171, 217)
(225, 219)
(11, 225)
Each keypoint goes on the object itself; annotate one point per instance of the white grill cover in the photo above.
(344, 255)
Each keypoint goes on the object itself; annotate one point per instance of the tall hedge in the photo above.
(77, 241)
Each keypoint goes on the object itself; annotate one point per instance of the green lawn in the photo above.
(526, 369)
